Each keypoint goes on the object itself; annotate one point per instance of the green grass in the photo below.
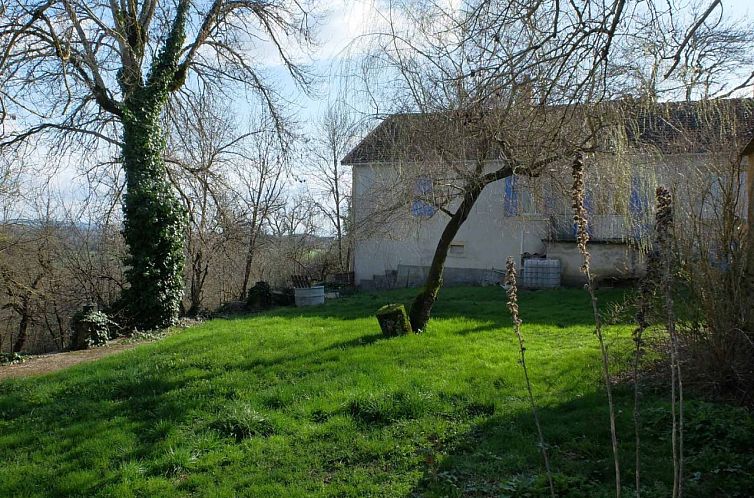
(315, 402)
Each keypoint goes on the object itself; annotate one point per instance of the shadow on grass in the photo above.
(82, 417)
(558, 308)
(364, 340)
(500, 456)
(134, 407)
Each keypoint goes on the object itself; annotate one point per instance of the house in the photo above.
(748, 156)
(403, 187)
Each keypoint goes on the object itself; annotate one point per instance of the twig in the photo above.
(638, 337)
(510, 280)
(646, 293)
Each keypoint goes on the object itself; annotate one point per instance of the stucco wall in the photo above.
(608, 261)
(488, 237)
(398, 238)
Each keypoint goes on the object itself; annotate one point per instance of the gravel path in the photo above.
(47, 363)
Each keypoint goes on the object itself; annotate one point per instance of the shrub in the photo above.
(284, 297)
(259, 296)
(90, 328)
(717, 335)
(11, 358)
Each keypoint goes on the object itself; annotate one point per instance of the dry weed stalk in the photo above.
(638, 353)
(582, 238)
(663, 228)
(647, 289)
(510, 281)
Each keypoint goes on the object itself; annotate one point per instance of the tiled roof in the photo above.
(415, 137)
(671, 127)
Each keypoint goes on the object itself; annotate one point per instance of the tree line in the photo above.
(251, 215)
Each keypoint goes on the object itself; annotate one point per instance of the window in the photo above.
(518, 199)
(510, 197)
(421, 207)
(457, 249)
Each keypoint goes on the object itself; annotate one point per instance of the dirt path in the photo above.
(42, 364)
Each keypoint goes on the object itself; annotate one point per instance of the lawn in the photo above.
(315, 402)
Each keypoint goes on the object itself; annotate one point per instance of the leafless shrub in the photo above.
(716, 337)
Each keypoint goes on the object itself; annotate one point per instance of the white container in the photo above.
(541, 274)
(310, 296)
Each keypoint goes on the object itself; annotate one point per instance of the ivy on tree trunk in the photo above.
(85, 48)
(155, 220)
(154, 228)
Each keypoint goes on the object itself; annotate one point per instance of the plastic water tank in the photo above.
(310, 296)
(541, 273)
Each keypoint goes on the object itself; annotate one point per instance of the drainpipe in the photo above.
(749, 151)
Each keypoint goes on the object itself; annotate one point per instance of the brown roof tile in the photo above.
(672, 127)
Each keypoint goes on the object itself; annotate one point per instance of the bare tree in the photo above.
(485, 87)
(52, 262)
(21, 287)
(204, 144)
(716, 60)
(336, 135)
(293, 229)
(88, 74)
(511, 88)
(260, 179)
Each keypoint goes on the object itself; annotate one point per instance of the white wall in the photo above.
(487, 235)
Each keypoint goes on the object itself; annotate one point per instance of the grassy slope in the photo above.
(295, 403)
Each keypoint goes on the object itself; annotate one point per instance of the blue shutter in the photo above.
(589, 201)
(635, 204)
(550, 204)
(422, 209)
(638, 204)
(423, 186)
(510, 199)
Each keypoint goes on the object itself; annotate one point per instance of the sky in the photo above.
(346, 20)
(340, 23)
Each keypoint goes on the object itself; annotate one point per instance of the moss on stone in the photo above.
(393, 320)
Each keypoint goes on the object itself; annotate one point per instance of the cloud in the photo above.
(345, 21)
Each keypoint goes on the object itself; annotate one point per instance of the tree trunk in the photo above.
(338, 228)
(154, 219)
(197, 283)
(422, 305)
(23, 331)
(249, 260)
(393, 320)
